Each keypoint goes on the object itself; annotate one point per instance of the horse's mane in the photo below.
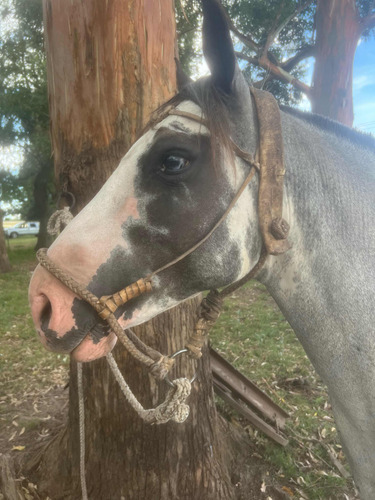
(340, 130)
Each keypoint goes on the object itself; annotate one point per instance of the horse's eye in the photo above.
(174, 164)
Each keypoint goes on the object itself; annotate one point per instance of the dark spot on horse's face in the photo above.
(182, 206)
(87, 322)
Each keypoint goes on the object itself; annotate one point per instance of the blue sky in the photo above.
(364, 86)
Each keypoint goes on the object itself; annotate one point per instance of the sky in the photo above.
(364, 87)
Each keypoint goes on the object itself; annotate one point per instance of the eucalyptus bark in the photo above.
(109, 65)
(5, 266)
(337, 34)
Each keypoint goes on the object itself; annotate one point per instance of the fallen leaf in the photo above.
(18, 448)
(263, 487)
(12, 436)
(288, 491)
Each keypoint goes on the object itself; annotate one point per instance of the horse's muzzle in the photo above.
(65, 323)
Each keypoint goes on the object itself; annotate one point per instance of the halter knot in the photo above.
(161, 367)
(59, 220)
(280, 228)
(174, 407)
(209, 311)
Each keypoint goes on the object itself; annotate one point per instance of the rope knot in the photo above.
(59, 220)
(161, 367)
(209, 311)
(211, 305)
(174, 407)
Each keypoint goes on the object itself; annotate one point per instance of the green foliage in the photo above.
(23, 96)
(10, 188)
(364, 8)
(23, 91)
(259, 18)
(254, 19)
(188, 24)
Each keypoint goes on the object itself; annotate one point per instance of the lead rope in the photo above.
(82, 444)
(56, 223)
(173, 408)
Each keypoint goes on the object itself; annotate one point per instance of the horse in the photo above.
(171, 188)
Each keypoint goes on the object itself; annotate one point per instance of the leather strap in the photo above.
(271, 183)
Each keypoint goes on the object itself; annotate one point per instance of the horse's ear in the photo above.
(182, 78)
(217, 45)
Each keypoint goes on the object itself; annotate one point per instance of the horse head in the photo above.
(167, 193)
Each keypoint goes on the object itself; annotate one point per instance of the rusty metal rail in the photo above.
(239, 392)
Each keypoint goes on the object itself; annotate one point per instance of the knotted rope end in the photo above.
(59, 220)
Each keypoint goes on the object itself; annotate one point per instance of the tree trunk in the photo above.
(337, 35)
(42, 206)
(5, 266)
(109, 65)
(126, 458)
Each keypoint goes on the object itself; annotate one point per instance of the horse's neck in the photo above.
(330, 213)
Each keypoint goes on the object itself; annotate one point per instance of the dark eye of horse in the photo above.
(174, 164)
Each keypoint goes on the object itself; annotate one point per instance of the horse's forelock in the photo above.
(214, 106)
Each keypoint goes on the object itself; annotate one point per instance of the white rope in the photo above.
(82, 447)
(173, 408)
(59, 220)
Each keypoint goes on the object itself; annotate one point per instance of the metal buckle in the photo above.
(172, 356)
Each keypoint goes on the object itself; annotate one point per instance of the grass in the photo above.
(24, 363)
(21, 249)
(256, 339)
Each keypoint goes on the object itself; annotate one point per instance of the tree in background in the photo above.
(24, 106)
(10, 190)
(5, 266)
(276, 37)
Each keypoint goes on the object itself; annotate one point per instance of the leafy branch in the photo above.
(265, 59)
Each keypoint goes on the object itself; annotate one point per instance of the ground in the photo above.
(256, 339)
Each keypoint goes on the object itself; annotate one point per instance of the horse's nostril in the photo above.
(46, 313)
